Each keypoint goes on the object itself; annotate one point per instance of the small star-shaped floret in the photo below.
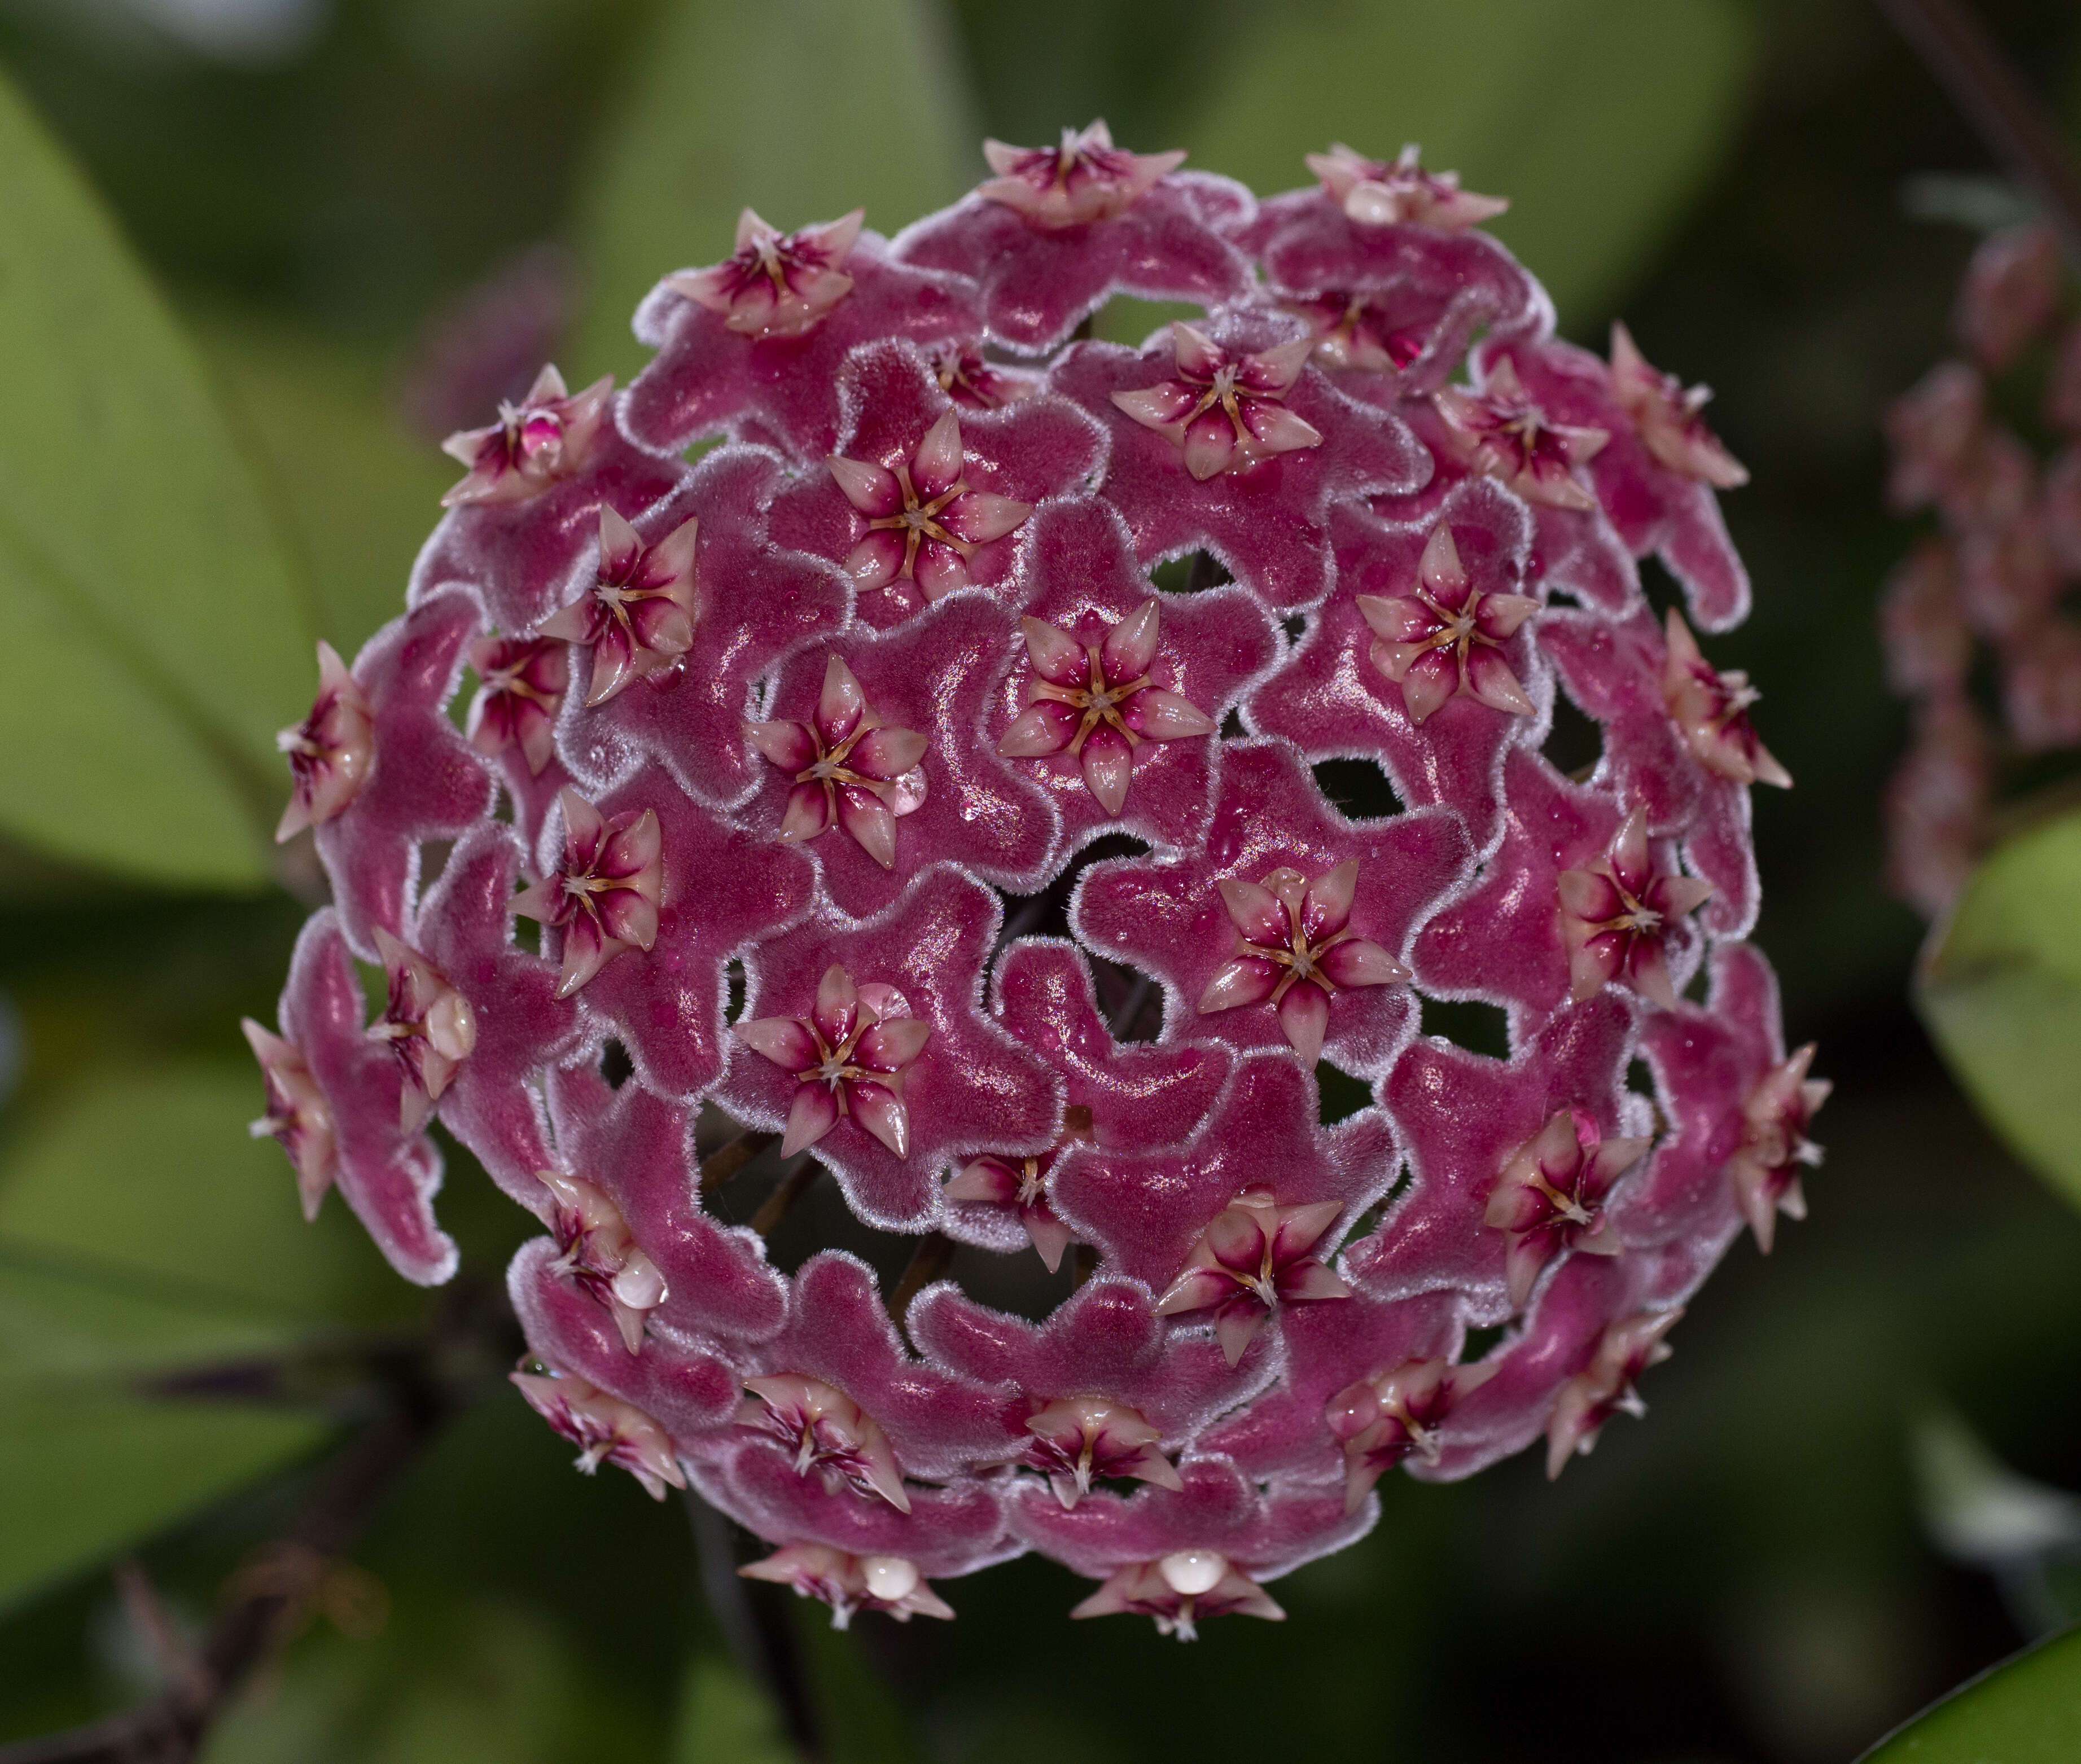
(1020, 1187)
(1617, 912)
(1253, 1257)
(599, 1255)
(1399, 191)
(827, 1431)
(524, 680)
(1551, 1196)
(976, 383)
(1077, 1439)
(607, 1430)
(849, 771)
(1765, 1169)
(298, 1117)
(1085, 178)
(330, 753)
(1294, 948)
(1355, 332)
(1712, 709)
(637, 618)
(1500, 432)
(548, 435)
(923, 521)
(1605, 1386)
(604, 895)
(1669, 419)
(1224, 410)
(1180, 1589)
(1095, 700)
(849, 1056)
(429, 1025)
(1446, 635)
(1381, 1420)
(775, 284)
(849, 1583)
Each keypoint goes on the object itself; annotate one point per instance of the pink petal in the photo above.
(866, 817)
(1237, 1326)
(1590, 896)
(1108, 763)
(1326, 908)
(1399, 620)
(870, 488)
(1491, 681)
(1049, 1235)
(1248, 979)
(1044, 728)
(1162, 407)
(876, 560)
(1198, 356)
(1443, 572)
(1256, 911)
(1165, 717)
(789, 745)
(885, 753)
(1195, 1290)
(979, 518)
(1130, 645)
(1274, 429)
(840, 703)
(1210, 444)
(1427, 681)
(836, 1010)
(936, 466)
(1058, 657)
(987, 1181)
(1304, 1015)
(808, 811)
(1358, 961)
(618, 546)
(880, 1111)
(1309, 1282)
(889, 1047)
(782, 1039)
(812, 1114)
(939, 569)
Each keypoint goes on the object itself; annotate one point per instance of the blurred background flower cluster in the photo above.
(376, 218)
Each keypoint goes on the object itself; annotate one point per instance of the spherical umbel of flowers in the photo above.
(872, 789)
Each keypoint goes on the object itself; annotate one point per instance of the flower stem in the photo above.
(928, 1262)
(793, 1186)
(2009, 119)
(731, 1157)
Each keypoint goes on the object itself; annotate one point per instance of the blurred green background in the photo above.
(330, 194)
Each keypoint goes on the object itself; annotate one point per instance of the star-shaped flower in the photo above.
(1617, 912)
(776, 284)
(1077, 1439)
(1084, 178)
(1397, 1413)
(1223, 925)
(1712, 709)
(1266, 519)
(637, 618)
(1180, 1589)
(548, 435)
(849, 1056)
(1399, 191)
(604, 896)
(975, 383)
(1499, 431)
(1604, 1388)
(825, 1430)
(1095, 701)
(604, 1428)
(1669, 419)
(1329, 698)
(1224, 410)
(935, 675)
(850, 770)
(849, 1583)
(298, 1117)
(429, 1025)
(599, 1255)
(1445, 636)
(1351, 331)
(1464, 1118)
(524, 682)
(1550, 1195)
(1295, 949)
(350, 1083)
(330, 752)
(971, 1083)
(424, 783)
(1049, 241)
(1019, 1186)
(1084, 583)
(783, 390)
(923, 521)
(1254, 1257)
(1775, 1147)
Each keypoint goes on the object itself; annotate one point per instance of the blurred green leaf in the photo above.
(2027, 1711)
(726, 1718)
(156, 637)
(360, 493)
(2000, 990)
(1597, 118)
(801, 109)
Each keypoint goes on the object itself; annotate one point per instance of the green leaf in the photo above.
(360, 492)
(1597, 118)
(801, 109)
(2027, 1711)
(155, 635)
(2000, 990)
(726, 1718)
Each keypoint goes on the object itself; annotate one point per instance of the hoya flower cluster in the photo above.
(894, 670)
(1998, 576)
